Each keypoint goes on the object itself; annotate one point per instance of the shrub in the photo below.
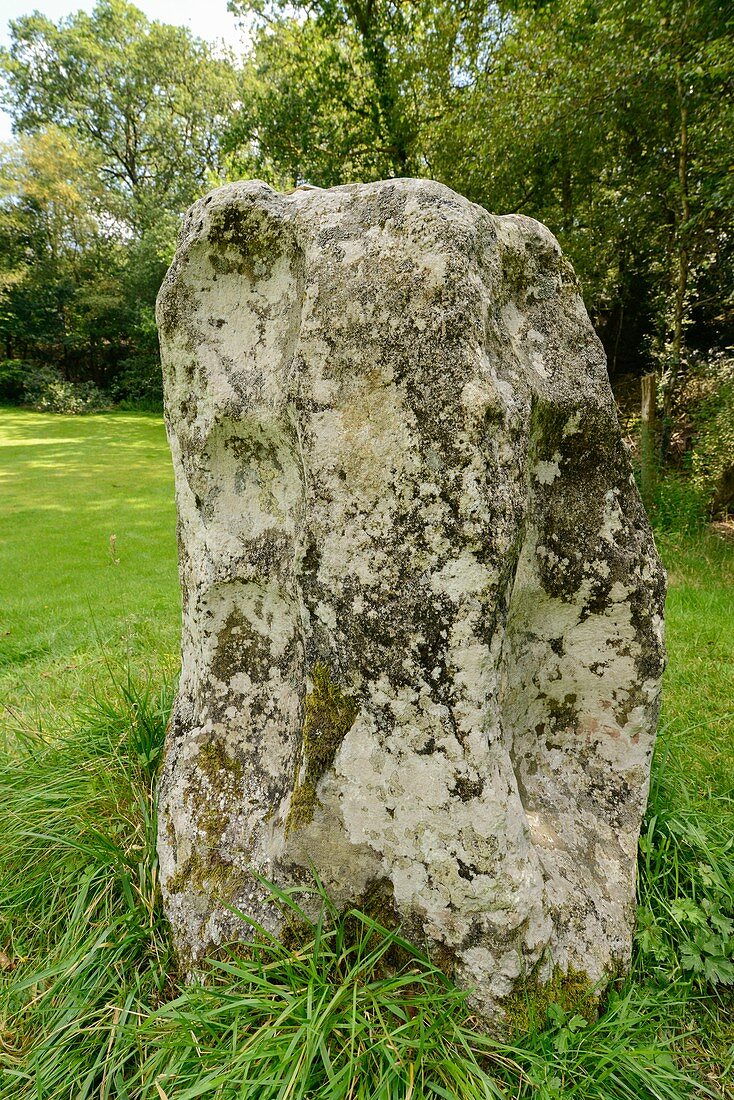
(46, 390)
(713, 454)
(139, 385)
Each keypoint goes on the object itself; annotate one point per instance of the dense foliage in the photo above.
(606, 119)
(119, 123)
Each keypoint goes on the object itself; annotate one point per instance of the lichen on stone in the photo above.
(210, 873)
(397, 455)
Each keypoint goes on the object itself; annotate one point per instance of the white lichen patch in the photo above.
(463, 577)
(422, 610)
(547, 472)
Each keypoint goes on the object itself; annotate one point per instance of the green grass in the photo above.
(68, 603)
(91, 1006)
(698, 701)
(90, 1001)
(686, 883)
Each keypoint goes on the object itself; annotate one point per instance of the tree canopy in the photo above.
(608, 120)
(151, 100)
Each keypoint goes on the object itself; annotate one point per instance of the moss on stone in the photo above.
(328, 716)
(515, 272)
(170, 831)
(297, 932)
(304, 801)
(222, 774)
(212, 876)
(213, 759)
(211, 821)
(571, 990)
(180, 880)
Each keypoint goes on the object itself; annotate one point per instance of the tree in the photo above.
(606, 119)
(305, 110)
(344, 90)
(54, 245)
(120, 122)
(150, 100)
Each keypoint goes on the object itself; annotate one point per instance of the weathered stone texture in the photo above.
(422, 635)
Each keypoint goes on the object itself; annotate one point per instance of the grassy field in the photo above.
(71, 599)
(90, 1004)
(698, 701)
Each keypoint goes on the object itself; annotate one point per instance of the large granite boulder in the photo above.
(422, 607)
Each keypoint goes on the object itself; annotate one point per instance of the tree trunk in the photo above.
(389, 115)
(681, 280)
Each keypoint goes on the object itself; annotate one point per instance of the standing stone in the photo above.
(422, 607)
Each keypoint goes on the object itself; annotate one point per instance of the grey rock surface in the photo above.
(422, 607)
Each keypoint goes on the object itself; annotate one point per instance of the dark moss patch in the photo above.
(444, 958)
(563, 713)
(515, 273)
(212, 876)
(240, 648)
(377, 903)
(244, 241)
(297, 932)
(572, 991)
(213, 760)
(465, 871)
(328, 716)
(217, 773)
(467, 789)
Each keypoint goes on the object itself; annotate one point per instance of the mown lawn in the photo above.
(87, 557)
(90, 1002)
(698, 700)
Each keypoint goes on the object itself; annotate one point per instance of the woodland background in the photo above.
(610, 121)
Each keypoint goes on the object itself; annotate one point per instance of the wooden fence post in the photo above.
(648, 451)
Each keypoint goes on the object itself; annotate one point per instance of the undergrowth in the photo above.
(92, 1006)
(686, 885)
